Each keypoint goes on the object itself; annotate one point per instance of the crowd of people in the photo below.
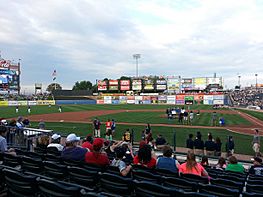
(247, 97)
(23, 97)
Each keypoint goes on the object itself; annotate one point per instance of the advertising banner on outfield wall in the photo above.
(200, 83)
(208, 97)
(171, 100)
(161, 84)
(12, 103)
(148, 84)
(208, 102)
(173, 84)
(218, 97)
(22, 103)
(122, 98)
(187, 83)
(123, 101)
(138, 98)
(137, 84)
(3, 103)
(218, 102)
(113, 85)
(198, 97)
(130, 101)
(125, 85)
(102, 85)
(46, 102)
(180, 97)
(32, 103)
(162, 98)
(100, 101)
(146, 98)
(179, 102)
(189, 98)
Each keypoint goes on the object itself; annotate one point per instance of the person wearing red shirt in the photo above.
(144, 157)
(96, 156)
(108, 125)
(88, 143)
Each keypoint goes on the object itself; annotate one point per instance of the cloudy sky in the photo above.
(94, 39)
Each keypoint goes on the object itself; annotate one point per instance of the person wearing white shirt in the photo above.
(55, 142)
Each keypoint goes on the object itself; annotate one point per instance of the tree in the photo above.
(83, 85)
(54, 86)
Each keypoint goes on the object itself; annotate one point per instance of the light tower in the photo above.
(136, 57)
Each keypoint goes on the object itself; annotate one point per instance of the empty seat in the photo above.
(147, 189)
(254, 188)
(11, 160)
(231, 177)
(40, 150)
(71, 163)
(53, 158)
(34, 155)
(55, 170)
(218, 190)
(195, 194)
(173, 182)
(228, 183)
(83, 176)
(166, 173)
(53, 151)
(195, 178)
(32, 164)
(141, 175)
(93, 167)
(247, 194)
(19, 184)
(116, 184)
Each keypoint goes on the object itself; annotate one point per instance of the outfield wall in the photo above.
(27, 103)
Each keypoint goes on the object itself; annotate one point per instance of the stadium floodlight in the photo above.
(256, 75)
(136, 57)
(239, 76)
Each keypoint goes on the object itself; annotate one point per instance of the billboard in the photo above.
(200, 83)
(187, 84)
(161, 84)
(113, 85)
(125, 84)
(212, 80)
(9, 78)
(148, 84)
(137, 84)
(173, 84)
(102, 85)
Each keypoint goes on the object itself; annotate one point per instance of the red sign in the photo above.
(125, 84)
(102, 85)
(113, 83)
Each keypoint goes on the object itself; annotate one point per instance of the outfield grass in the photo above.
(8, 112)
(160, 118)
(243, 142)
(256, 114)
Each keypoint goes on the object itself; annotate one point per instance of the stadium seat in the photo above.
(34, 155)
(147, 189)
(52, 158)
(113, 170)
(55, 170)
(254, 188)
(231, 178)
(255, 177)
(82, 176)
(18, 184)
(247, 194)
(40, 150)
(11, 160)
(218, 190)
(255, 181)
(195, 178)
(173, 182)
(228, 184)
(71, 163)
(53, 151)
(237, 174)
(142, 175)
(140, 167)
(92, 167)
(32, 164)
(195, 194)
(166, 173)
(116, 184)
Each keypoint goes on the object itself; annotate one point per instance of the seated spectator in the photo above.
(199, 144)
(160, 141)
(3, 143)
(41, 125)
(55, 142)
(234, 166)
(221, 164)
(257, 168)
(144, 157)
(204, 161)
(166, 161)
(88, 143)
(128, 158)
(118, 161)
(192, 167)
(26, 122)
(210, 146)
(96, 156)
(190, 143)
(42, 142)
(19, 122)
(72, 151)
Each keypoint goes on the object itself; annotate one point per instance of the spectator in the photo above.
(199, 144)
(118, 161)
(204, 161)
(167, 162)
(55, 142)
(160, 141)
(26, 122)
(221, 164)
(42, 125)
(96, 126)
(4, 122)
(257, 168)
(3, 143)
(234, 166)
(19, 122)
(210, 146)
(144, 157)
(214, 118)
(128, 158)
(256, 143)
(42, 142)
(88, 143)
(72, 151)
(230, 145)
(218, 145)
(190, 143)
(192, 167)
(97, 157)
(126, 136)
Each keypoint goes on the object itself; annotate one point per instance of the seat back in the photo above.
(166, 173)
(218, 190)
(116, 184)
(19, 184)
(247, 194)
(228, 183)
(113, 170)
(11, 160)
(55, 170)
(142, 175)
(173, 182)
(254, 188)
(195, 178)
(53, 151)
(32, 164)
(53, 158)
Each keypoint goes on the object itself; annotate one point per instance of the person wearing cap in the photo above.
(257, 168)
(256, 143)
(72, 151)
(55, 142)
(118, 161)
(96, 156)
(4, 122)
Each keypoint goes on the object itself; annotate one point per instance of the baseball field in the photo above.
(78, 119)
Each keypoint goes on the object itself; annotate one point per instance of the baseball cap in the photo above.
(72, 137)
(98, 143)
(257, 159)
(55, 136)
(4, 122)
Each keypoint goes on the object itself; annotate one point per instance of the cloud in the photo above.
(89, 40)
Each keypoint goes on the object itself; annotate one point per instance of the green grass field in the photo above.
(256, 114)
(243, 142)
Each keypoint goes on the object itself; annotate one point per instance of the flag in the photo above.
(54, 75)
